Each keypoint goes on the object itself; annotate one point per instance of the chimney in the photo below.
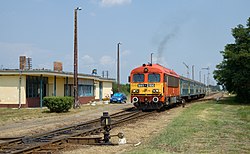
(58, 66)
(22, 62)
(29, 63)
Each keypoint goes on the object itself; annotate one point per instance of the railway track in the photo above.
(53, 141)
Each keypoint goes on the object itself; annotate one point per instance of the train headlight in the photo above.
(135, 99)
(135, 91)
(155, 90)
(155, 99)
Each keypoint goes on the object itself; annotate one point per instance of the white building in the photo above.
(26, 88)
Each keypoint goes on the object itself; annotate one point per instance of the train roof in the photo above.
(187, 79)
(155, 67)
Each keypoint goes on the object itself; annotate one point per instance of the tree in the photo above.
(124, 88)
(234, 71)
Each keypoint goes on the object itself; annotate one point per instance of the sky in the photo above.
(175, 31)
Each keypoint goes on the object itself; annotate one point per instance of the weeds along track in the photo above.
(56, 140)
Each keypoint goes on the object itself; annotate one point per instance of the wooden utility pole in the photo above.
(76, 100)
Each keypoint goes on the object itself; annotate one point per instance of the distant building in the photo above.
(27, 87)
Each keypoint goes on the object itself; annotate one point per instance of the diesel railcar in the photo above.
(153, 86)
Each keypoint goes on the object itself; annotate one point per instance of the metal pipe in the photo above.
(118, 67)
(208, 73)
(192, 72)
(67, 86)
(19, 88)
(152, 58)
(55, 85)
(205, 79)
(187, 69)
(41, 91)
(200, 76)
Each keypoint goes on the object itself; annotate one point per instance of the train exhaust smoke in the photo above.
(164, 43)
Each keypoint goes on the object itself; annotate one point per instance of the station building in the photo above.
(26, 88)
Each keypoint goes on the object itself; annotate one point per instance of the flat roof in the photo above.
(47, 72)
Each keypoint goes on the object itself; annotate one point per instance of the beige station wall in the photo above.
(9, 90)
(59, 86)
(51, 86)
(107, 86)
(97, 90)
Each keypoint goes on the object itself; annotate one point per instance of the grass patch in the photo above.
(208, 127)
(9, 115)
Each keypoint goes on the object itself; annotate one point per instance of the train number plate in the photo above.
(146, 85)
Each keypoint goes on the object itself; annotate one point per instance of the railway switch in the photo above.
(106, 123)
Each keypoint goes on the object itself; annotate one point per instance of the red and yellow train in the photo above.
(153, 86)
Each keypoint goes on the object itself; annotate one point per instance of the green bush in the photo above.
(58, 103)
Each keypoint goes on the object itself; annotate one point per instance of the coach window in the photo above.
(154, 77)
(138, 78)
(173, 82)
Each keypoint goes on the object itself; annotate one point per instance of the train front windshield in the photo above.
(154, 77)
(138, 78)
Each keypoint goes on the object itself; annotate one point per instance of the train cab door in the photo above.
(165, 86)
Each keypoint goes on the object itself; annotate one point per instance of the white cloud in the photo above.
(17, 49)
(93, 14)
(107, 60)
(86, 59)
(10, 53)
(109, 3)
(125, 52)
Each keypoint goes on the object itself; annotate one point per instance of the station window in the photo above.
(138, 78)
(153, 77)
(33, 86)
(83, 90)
(69, 91)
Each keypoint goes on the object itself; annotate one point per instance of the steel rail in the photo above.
(74, 126)
(28, 144)
(85, 133)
